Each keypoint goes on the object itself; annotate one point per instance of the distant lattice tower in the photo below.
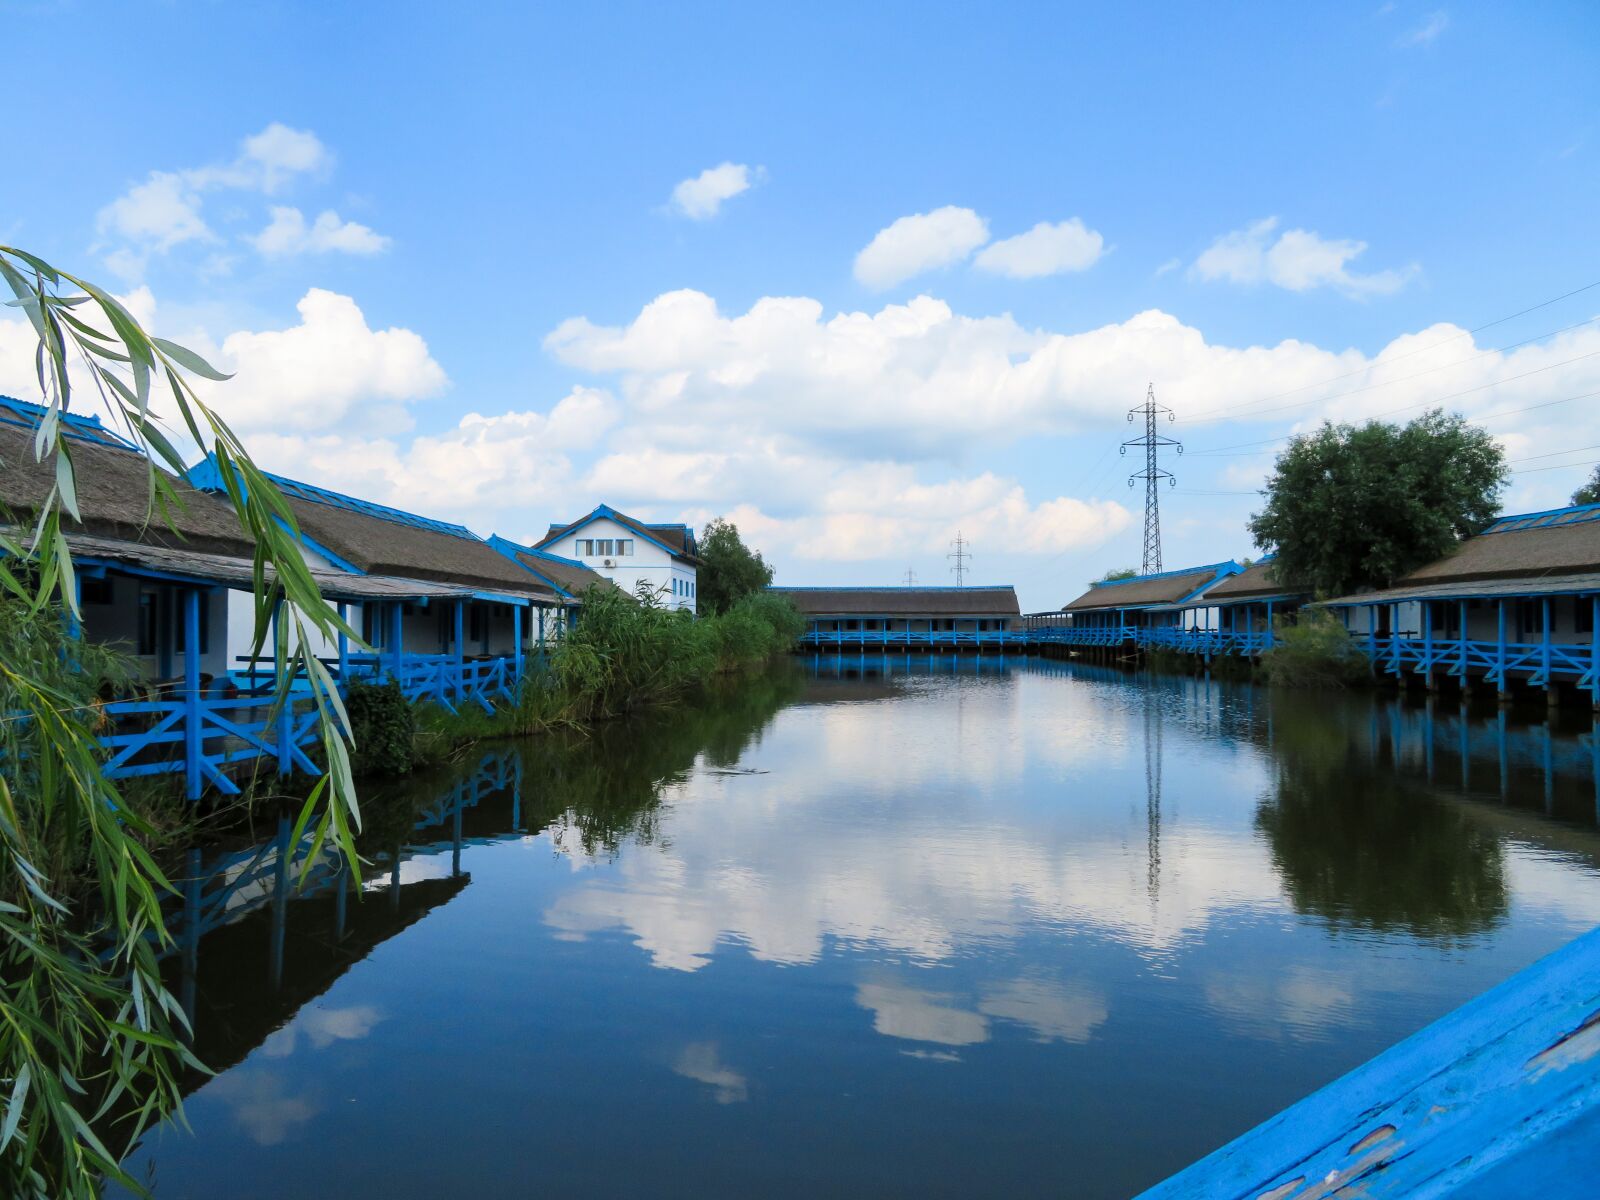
(960, 553)
(1152, 474)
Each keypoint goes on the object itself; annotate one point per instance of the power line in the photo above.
(1151, 443)
(1209, 414)
(960, 554)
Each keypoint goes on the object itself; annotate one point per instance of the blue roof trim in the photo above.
(28, 415)
(1551, 518)
(311, 543)
(511, 550)
(207, 476)
(1217, 566)
(897, 587)
(605, 511)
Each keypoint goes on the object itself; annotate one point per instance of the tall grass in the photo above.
(1314, 651)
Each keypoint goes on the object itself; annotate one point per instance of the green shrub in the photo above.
(1315, 651)
(384, 727)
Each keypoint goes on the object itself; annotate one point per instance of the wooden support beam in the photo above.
(193, 715)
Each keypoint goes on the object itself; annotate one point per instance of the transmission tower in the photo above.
(910, 578)
(960, 554)
(1152, 474)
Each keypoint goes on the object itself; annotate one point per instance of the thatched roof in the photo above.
(571, 577)
(379, 540)
(1168, 587)
(1257, 581)
(113, 486)
(998, 601)
(1575, 584)
(677, 538)
(1564, 541)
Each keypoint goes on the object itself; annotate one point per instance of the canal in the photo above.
(869, 927)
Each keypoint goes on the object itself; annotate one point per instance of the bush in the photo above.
(383, 725)
(1316, 651)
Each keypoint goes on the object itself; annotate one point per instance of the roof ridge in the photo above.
(74, 423)
(1216, 566)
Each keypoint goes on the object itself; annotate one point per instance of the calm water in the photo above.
(872, 927)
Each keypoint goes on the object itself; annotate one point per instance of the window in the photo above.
(602, 548)
(94, 591)
(585, 548)
(624, 547)
(147, 622)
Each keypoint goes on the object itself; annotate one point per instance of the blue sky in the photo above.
(443, 253)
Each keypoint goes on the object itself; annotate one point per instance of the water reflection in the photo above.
(921, 911)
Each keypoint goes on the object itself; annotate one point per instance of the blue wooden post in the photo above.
(461, 683)
(1372, 635)
(1269, 624)
(74, 626)
(396, 636)
(193, 742)
(344, 645)
(516, 641)
(280, 648)
(1465, 682)
(1544, 649)
(1594, 654)
(1427, 648)
(1500, 634)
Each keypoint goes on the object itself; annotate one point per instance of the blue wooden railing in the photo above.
(198, 732)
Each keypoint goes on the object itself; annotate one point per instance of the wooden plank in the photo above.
(1499, 1098)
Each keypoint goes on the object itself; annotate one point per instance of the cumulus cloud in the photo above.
(1297, 260)
(701, 197)
(1045, 249)
(288, 234)
(165, 210)
(919, 243)
(323, 370)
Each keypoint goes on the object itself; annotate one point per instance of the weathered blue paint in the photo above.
(1500, 1098)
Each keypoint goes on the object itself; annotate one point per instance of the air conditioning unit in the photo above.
(610, 562)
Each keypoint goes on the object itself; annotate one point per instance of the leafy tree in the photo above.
(1589, 493)
(1116, 574)
(89, 1040)
(1350, 506)
(729, 570)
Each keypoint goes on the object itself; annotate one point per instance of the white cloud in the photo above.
(157, 214)
(289, 234)
(1297, 260)
(328, 368)
(701, 1062)
(919, 243)
(1424, 34)
(165, 210)
(701, 197)
(1045, 249)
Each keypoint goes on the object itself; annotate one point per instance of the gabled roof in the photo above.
(1557, 541)
(1255, 582)
(373, 539)
(567, 576)
(113, 486)
(991, 600)
(676, 539)
(1145, 591)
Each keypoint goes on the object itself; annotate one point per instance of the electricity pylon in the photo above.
(1152, 475)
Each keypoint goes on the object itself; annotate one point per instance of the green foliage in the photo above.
(88, 1034)
(1315, 651)
(1589, 493)
(383, 728)
(1116, 574)
(729, 570)
(1351, 507)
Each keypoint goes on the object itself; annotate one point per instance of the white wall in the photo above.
(670, 579)
(117, 623)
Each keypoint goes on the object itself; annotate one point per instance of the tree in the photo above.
(1353, 507)
(729, 570)
(1116, 575)
(1589, 493)
(89, 1041)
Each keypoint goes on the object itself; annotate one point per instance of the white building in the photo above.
(631, 553)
